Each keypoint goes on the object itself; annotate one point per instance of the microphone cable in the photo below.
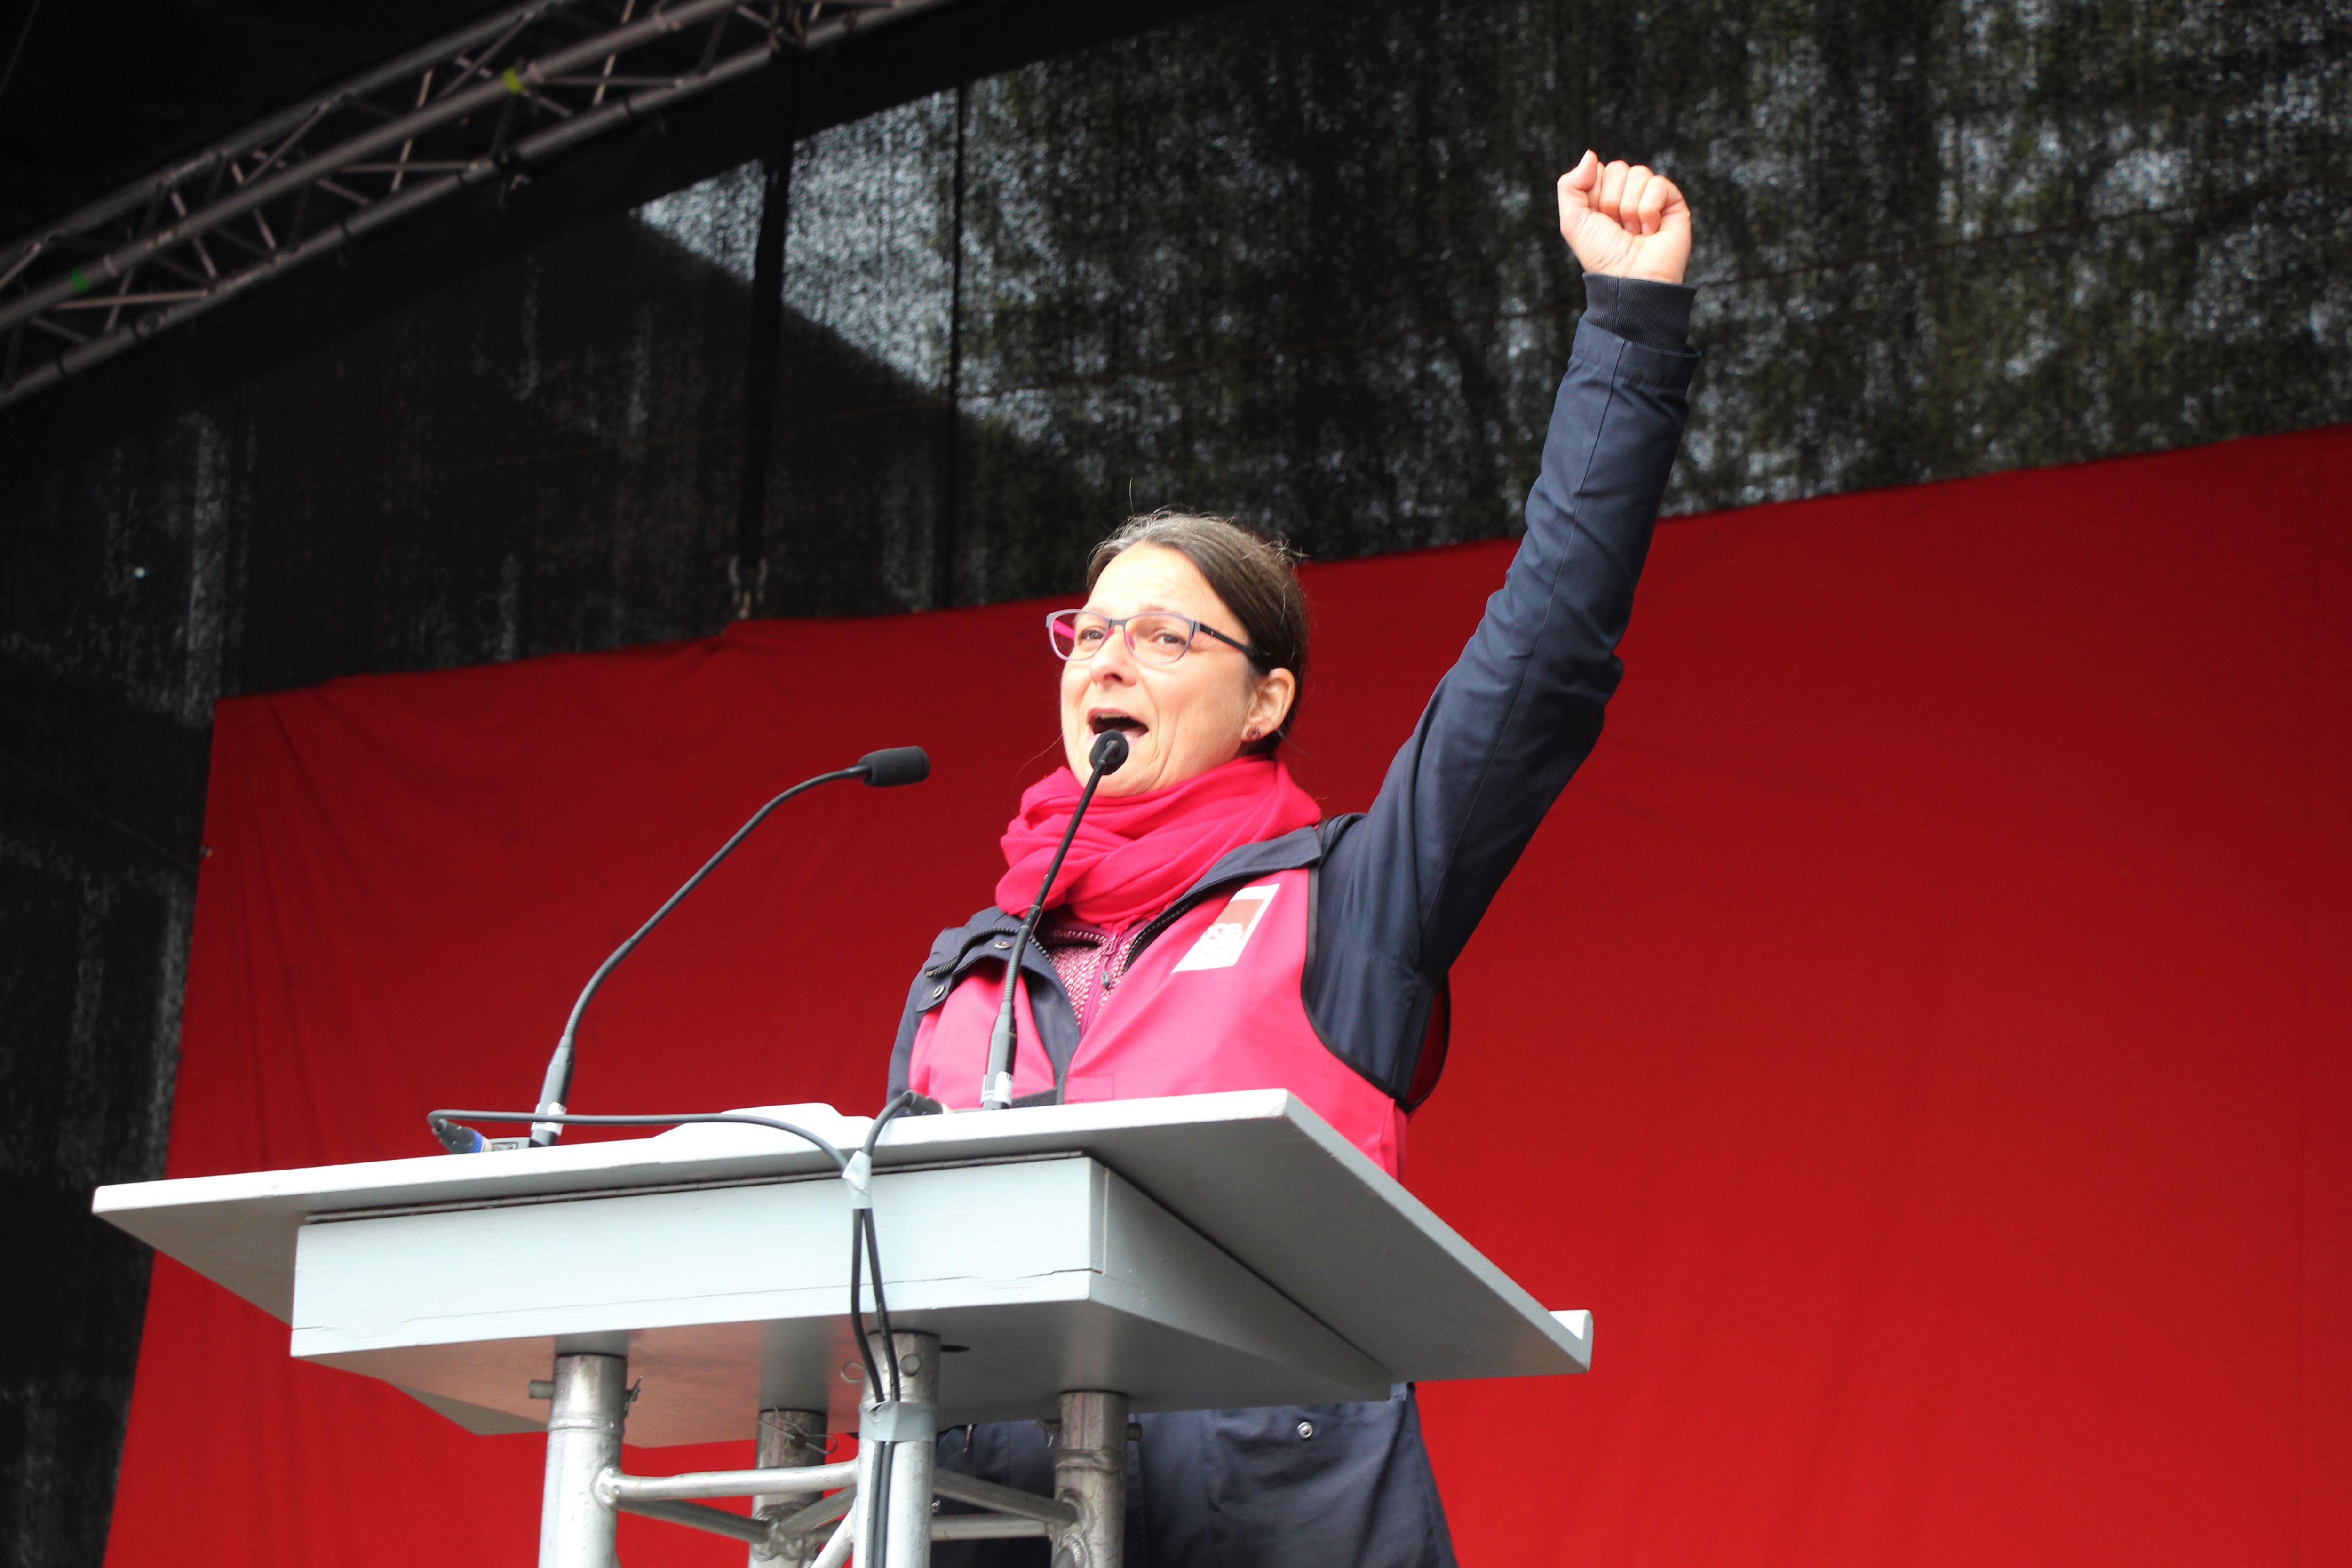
(861, 1227)
(862, 1219)
(865, 1242)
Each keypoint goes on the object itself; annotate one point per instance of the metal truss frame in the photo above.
(483, 103)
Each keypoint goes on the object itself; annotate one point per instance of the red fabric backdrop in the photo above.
(1921, 1033)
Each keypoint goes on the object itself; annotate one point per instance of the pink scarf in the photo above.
(1136, 854)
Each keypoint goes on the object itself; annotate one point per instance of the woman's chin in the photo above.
(1147, 766)
(1146, 771)
(1130, 780)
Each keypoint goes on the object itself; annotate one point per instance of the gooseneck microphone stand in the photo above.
(897, 765)
(1109, 755)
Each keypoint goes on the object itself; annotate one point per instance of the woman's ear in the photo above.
(1270, 702)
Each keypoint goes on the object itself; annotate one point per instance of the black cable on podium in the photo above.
(864, 1243)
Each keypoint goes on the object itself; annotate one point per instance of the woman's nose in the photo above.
(1114, 662)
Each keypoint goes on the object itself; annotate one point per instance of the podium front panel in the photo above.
(1052, 1273)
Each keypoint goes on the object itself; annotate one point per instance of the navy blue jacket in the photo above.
(1398, 890)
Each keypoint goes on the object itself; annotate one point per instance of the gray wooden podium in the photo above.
(1069, 1264)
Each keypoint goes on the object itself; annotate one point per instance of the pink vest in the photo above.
(1212, 1004)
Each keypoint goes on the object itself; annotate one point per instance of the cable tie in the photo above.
(858, 1171)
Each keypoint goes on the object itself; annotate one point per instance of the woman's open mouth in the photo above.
(1103, 721)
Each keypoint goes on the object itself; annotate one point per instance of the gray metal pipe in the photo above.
(1090, 1473)
(546, 144)
(986, 1527)
(824, 1511)
(620, 1488)
(1052, 1512)
(850, 24)
(906, 1522)
(786, 1440)
(837, 1551)
(583, 1441)
(695, 1516)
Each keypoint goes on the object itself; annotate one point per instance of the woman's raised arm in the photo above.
(1402, 889)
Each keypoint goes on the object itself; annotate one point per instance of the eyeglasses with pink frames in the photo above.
(1153, 636)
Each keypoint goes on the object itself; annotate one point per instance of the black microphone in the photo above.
(1109, 755)
(899, 765)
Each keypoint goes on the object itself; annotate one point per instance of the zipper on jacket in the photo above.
(1115, 969)
(1117, 960)
(1084, 1008)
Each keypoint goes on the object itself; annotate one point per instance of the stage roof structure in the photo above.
(486, 102)
(94, 265)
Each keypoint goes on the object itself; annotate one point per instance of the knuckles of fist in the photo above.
(1625, 219)
(1634, 194)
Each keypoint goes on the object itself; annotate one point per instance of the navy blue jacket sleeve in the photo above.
(1400, 890)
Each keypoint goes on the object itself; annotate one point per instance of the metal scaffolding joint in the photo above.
(486, 102)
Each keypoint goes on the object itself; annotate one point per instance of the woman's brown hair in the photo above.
(1256, 575)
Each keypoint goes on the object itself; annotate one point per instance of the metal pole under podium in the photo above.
(905, 1522)
(1090, 1474)
(788, 1439)
(583, 1440)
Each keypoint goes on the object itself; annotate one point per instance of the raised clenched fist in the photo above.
(1627, 222)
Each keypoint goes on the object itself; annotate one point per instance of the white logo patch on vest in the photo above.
(1221, 945)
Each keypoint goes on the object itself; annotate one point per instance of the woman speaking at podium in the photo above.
(1209, 929)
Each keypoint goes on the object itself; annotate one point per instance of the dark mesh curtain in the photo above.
(1297, 261)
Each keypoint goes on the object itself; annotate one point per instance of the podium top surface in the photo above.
(1256, 1172)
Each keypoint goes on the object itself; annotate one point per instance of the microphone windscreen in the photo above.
(1109, 755)
(899, 765)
